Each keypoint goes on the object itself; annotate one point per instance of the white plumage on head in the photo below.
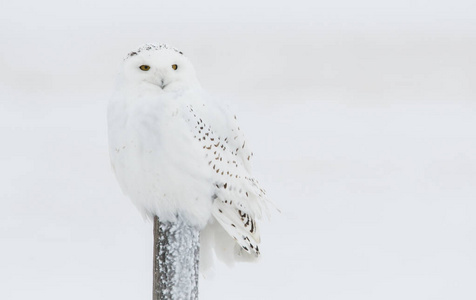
(176, 151)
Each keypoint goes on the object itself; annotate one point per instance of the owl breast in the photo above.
(157, 161)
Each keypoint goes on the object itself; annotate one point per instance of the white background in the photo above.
(362, 116)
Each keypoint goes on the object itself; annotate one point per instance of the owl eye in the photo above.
(174, 67)
(145, 68)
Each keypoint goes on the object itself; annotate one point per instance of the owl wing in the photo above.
(239, 200)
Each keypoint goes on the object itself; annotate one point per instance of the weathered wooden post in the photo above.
(176, 260)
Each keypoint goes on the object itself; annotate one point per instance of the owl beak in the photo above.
(162, 84)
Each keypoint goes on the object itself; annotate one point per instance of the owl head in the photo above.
(159, 67)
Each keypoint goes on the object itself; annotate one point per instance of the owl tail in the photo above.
(215, 241)
(239, 225)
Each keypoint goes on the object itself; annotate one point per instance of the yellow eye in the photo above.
(144, 68)
(174, 67)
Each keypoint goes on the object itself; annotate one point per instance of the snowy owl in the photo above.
(176, 151)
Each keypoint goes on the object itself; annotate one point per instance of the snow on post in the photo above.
(176, 260)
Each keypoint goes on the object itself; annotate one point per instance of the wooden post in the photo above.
(176, 260)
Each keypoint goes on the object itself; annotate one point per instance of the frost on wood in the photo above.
(176, 260)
